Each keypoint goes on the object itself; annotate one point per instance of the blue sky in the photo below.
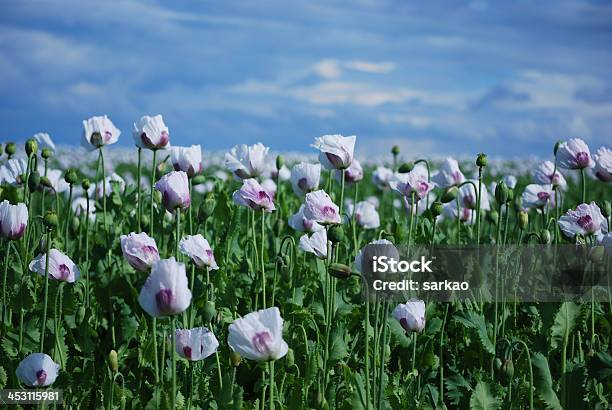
(453, 77)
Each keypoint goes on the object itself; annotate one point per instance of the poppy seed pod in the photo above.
(10, 149)
(198, 179)
(523, 220)
(280, 162)
(31, 146)
(492, 216)
(436, 208)
(207, 208)
(336, 234)
(85, 184)
(71, 177)
(510, 195)
(113, 361)
(395, 150)
(481, 160)
(545, 237)
(406, 167)
(450, 194)
(46, 182)
(209, 311)
(339, 270)
(556, 147)
(46, 153)
(606, 208)
(501, 193)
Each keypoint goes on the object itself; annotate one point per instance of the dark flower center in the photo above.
(262, 341)
(64, 271)
(582, 158)
(585, 222)
(543, 196)
(41, 376)
(303, 184)
(163, 298)
(187, 352)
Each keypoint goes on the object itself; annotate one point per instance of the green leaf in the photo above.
(338, 349)
(565, 321)
(542, 381)
(476, 321)
(482, 399)
(3, 377)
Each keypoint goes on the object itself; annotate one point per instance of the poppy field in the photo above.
(157, 277)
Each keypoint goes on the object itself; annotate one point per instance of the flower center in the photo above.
(187, 352)
(543, 196)
(163, 298)
(41, 376)
(456, 175)
(328, 211)
(262, 342)
(582, 158)
(64, 271)
(303, 184)
(586, 223)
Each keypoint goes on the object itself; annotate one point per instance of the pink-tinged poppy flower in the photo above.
(187, 159)
(366, 215)
(414, 182)
(336, 150)
(305, 178)
(99, 131)
(586, 219)
(354, 173)
(411, 315)
(151, 132)
(140, 250)
(466, 215)
(269, 186)
(386, 249)
(254, 196)
(258, 335)
(300, 223)
(165, 292)
(13, 220)
(316, 244)
(574, 154)
(320, 208)
(246, 161)
(195, 344)
(174, 187)
(545, 173)
(468, 197)
(538, 196)
(61, 267)
(603, 164)
(449, 174)
(382, 176)
(37, 369)
(200, 252)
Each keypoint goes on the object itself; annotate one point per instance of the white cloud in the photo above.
(415, 121)
(328, 69)
(370, 66)
(409, 147)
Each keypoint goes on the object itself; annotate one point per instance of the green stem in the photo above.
(87, 248)
(46, 297)
(526, 350)
(67, 218)
(138, 197)
(583, 178)
(6, 263)
(478, 199)
(151, 224)
(156, 352)
(383, 353)
(173, 354)
(272, 385)
(263, 268)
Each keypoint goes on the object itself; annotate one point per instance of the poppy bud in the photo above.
(450, 194)
(395, 150)
(208, 206)
(523, 220)
(71, 176)
(235, 358)
(290, 358)
(556, 148)
(157, 197)
(34, 180)
(113, 361)
(198, 179)
(46, 182)
(85, 184)
(545, 237)
(508, 369)
(10, 149)
(46, 153)
(50, 220)
(280, 161)
(209, 311)
(492, 216)
(31, 146)
(336, 234)
(80, 314)
(605, 207)
(339, 270)
(76, 222)
(510, 195)
(160, 169)
(596, 253)
(481, 160)
(497, 364)
(436, 208)
(501, 193)
(406, 167)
